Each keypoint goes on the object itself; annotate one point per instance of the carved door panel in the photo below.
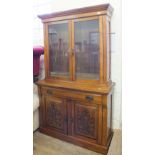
(86, 122)
(56, 114)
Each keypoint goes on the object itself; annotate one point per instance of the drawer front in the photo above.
(87, 97)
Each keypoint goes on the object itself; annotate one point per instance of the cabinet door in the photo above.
(86, 121)
(58, 47)
(86, 46)
(55, 114)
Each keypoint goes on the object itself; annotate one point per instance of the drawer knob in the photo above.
(50, 92)
(89, 98)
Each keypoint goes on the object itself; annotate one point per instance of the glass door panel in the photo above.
(86, 46)
(58, 40)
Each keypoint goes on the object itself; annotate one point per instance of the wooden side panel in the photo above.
(104, 129)
(100, 124)
(109, 115)
(106, 48)
(107, 118)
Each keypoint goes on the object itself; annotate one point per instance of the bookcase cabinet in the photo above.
(76, 94)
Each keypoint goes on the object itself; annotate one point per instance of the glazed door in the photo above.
(73, 49)
(56, 114)
(86, 47)
(59, 50)
(86, 121)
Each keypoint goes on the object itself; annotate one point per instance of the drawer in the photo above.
(78, 95)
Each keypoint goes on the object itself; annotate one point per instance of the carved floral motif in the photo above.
(54, 115)
(85, 122)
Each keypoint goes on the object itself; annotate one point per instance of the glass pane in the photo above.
(87, 49)
(58, 49)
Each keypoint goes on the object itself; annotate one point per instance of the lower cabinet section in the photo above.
(80, 121)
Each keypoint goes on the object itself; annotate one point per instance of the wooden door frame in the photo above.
(46, 56)
(73, 47)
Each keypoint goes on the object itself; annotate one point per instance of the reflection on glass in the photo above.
(58, 49)
(87, 49)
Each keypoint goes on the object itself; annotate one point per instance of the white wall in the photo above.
(48, 6)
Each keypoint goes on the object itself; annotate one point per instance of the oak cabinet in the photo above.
(76, 94)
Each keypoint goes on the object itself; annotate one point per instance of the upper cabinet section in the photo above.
(77, 44)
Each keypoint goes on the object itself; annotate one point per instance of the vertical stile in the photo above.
(105, 48)
(70, 49)
(101, 48)
(46, 51)
(73, 52)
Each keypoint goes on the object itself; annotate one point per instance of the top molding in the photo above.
(103, 7)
